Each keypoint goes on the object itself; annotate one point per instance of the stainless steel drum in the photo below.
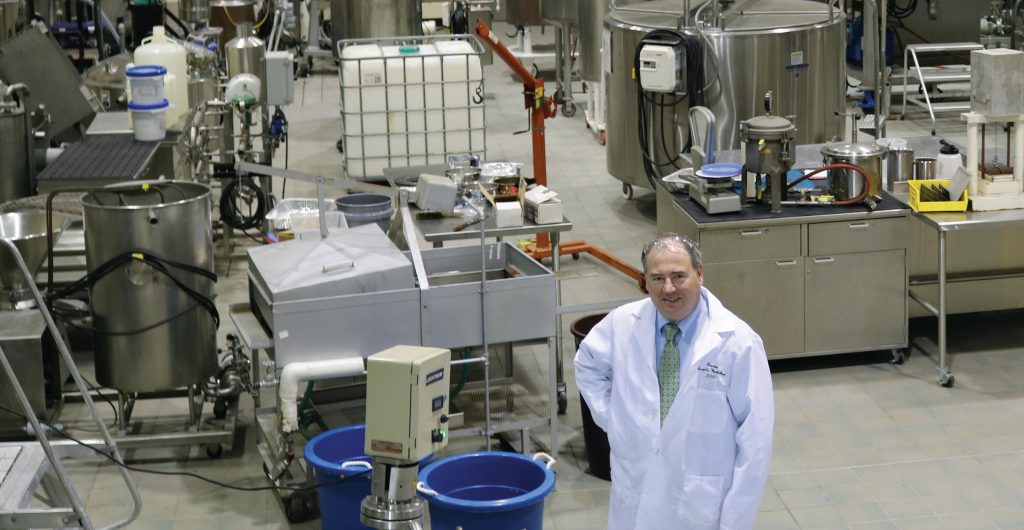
(590, 14)
(847, 183)
(754, 47)
(170, 220)
(524, 13)
(900, 166)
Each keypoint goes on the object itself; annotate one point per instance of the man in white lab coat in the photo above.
(681, 385)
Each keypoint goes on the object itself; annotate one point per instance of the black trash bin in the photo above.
(595, 438)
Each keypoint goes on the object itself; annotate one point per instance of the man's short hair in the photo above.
(666, 241)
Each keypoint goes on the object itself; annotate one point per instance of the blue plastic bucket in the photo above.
(336, 454)
(487, 491)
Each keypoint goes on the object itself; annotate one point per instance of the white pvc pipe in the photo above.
(972, 157)
(294, 374)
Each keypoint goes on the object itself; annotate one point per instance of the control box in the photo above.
(661, 68)
(280, 78)
(407, 402)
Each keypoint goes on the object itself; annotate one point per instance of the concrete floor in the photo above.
(859, 443)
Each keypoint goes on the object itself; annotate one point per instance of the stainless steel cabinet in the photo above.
(855, 301)
(752, 289)
(809, 284)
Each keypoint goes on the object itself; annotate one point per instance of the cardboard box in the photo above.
(542, 206)
(507, 214)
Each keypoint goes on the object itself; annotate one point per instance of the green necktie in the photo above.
(668, 370)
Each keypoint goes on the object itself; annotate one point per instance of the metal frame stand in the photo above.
(75, 516)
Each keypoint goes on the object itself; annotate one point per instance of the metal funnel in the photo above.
(27, 230)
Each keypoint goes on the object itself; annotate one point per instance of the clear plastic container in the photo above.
(146, 83)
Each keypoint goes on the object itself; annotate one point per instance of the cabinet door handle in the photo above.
(860, 225)
(786, 263)
(750, 233)
(824, 260)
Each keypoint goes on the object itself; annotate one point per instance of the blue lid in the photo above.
(152, 106)
(720, 170)
(146, 71)
(411, 48)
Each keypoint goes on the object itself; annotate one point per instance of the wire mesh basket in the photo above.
(409, 101)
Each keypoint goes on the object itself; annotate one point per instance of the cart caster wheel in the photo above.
(946, 380)
(576, 256)
(298, 508)
(898, 357)
(214, 451)
(220, 409)
(627, 192)
(568, 109)
(604, 137)
(563, 402)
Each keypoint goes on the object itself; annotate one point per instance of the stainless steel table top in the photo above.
(439, 230)
(951, 221)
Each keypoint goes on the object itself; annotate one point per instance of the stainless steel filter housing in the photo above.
(765, 139)
(756, 48)
(170, 220)
(365, 19)
(13, 154)
(847, 183)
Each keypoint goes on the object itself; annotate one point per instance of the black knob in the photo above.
(444, 418)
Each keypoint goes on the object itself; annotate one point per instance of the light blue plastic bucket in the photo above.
(487, 491)
(335, 455)
(365, 208)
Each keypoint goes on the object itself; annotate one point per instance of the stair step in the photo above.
(24, 471)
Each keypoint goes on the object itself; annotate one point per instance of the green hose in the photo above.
(309, 416)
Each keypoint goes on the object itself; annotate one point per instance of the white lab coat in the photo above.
(706, 469)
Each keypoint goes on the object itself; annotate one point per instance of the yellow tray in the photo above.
(934, 206)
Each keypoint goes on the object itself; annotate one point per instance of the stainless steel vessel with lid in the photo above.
(769, 150)
(846, 183)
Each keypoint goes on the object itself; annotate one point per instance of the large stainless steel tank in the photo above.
(591, 14)
(524, 13)
(13, 155)
(754, 47)
(171, 220)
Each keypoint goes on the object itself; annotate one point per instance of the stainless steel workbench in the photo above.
(811, 280)
(987, 268)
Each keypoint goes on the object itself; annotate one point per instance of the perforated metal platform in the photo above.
(103, 158)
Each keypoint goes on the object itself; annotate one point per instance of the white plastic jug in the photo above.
(949, 160)
(161, 51)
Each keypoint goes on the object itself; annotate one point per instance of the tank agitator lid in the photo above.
(853, 150)
(351, 261)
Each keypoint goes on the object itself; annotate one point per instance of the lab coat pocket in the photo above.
(699, 501)
(710, 410)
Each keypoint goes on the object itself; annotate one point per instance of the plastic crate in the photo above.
(934, 206)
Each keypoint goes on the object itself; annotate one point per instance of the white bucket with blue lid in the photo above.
(149, 122)
(146, 83)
